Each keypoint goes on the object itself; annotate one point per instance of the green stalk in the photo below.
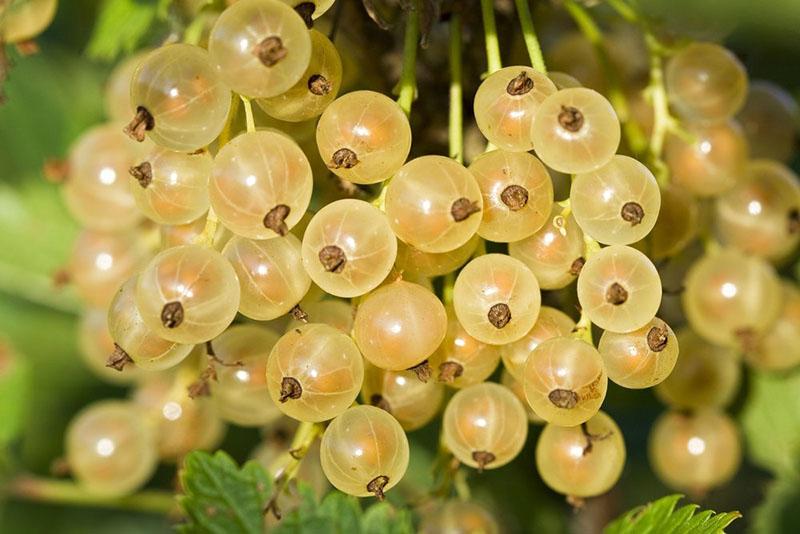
(529, 34)
(493, 62)
(456, 120)
(407, 88)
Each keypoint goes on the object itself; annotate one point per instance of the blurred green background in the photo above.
(55, 94)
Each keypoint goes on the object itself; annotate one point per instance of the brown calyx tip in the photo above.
(376, 485)
(422, 370)
(520, 85)
(563, 398)
(319, 85)
(463, 208)
(570, 118)
(202, 386)
(270, 51)
(290, 389)
(275, 219)
(794, 220)
(591, 438)
(172, 314)
(379, 401)
(142, 122)
(482, 458)
(332, 258)
(748, 339)
(299, 314)
(55, 170)
(343, 158)
(306, 10)
(577, 266)
(632, 212)
(616, 294)
(657, 338)
(118, 359)
(449, 371)
(515, 197)
(143, 173)
(499, 315)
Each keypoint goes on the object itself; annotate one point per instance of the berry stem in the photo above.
(248, 113)
(285, 468)
(586, 24)
(227, 130)
(529, 34)
(447, 288)
(64, 492)
(209, 231)
(407, 88)
(456, 120)
(493, 62)
(662, 119)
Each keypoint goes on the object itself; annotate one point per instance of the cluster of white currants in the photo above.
(396, 343)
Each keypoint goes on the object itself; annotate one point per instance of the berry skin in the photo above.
(364, 137)
(584, 460)
(261, 184)
(348, 248)
(364, 452)
(485, 426)
(411, 401)
(496, 299)
(642, 358)
(619, 289)
(314, 372)
(434, 204)
(769, 119)
(179, 99)
(414, 262)
(778, 350)
(506, 103)
(517, 194)
(188, 294)
(575, 130)
(399, 325)
(550, 323)
(260, 47)
(22, 21)
(110, 448)
(565, 381)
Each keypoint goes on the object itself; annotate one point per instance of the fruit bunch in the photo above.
(288, 265)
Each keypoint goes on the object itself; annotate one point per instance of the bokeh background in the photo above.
(52, 96)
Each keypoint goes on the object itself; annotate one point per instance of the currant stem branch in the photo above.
(586, 24)
(456, 119)
(493, 62)
(248, 114)
(65, 492)
(407, 88)
(529, 34)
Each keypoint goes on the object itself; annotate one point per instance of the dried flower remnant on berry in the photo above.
(343, 158)
(270, 51)
(423, 371)
(172, 314)
(591, 438)
(483, 458)
(570, 118)
(143, 174)
(520, 85)
(563, 398)
(275, 219)
(499, 315)
(379, 401)
(118, 359)
(319, 85)
(577, 266)
(290, 389)
(332, 259)
(657, 338)
(142, 122)
(515, 197)
(616, 294)
(376, 485)
(449, 371)
(632, 212)
(794, 220)
(463, 208)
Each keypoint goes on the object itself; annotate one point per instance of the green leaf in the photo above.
(778, 511)
(771, 422)
(383, 518)
(221, 497)
(661, 517)
(343, 509)
(14, 388)
(121, 26)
